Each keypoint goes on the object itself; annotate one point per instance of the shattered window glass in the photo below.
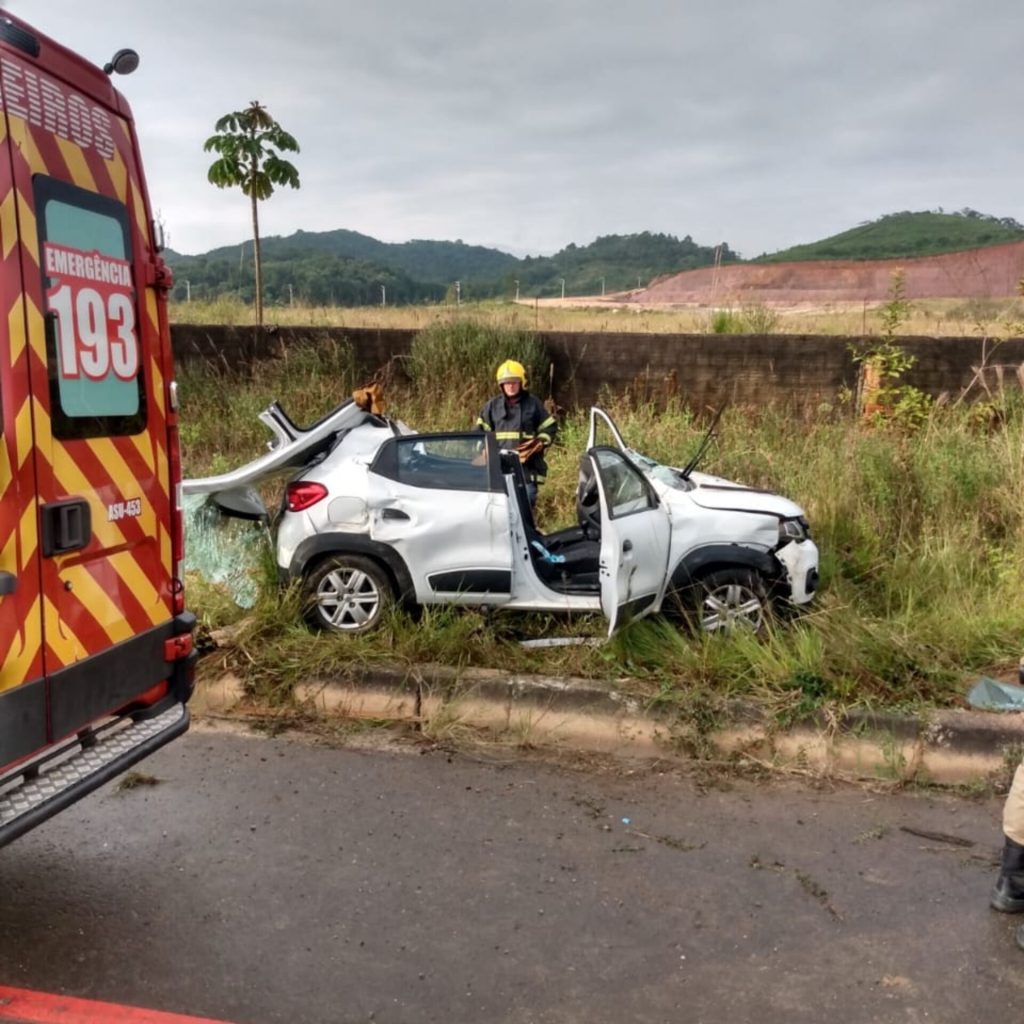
(225, 550)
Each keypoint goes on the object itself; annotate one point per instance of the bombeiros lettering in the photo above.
(44, 103)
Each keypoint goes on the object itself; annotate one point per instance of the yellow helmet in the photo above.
(511, 370)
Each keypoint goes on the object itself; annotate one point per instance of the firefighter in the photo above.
(520, 423)
(1008, 894)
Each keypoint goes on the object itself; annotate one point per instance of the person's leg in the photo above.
(1008, 894)
(531, 493)
(1013, 809)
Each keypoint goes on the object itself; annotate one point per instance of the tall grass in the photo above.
(921, 536)
(456, 363)
(219, 425)
(930, 318)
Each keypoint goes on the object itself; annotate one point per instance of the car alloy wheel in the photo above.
(733, 599)
(347, 594)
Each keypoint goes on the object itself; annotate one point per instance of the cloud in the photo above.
(535, 125)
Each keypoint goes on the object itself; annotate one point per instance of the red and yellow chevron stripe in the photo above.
(120, 584)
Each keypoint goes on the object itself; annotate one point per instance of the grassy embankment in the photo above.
(921, 533)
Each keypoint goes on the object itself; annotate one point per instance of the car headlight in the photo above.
(796, 528)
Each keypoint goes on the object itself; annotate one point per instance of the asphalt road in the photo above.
(274, 880)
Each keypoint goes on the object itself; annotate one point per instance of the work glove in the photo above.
(527, 449)
(370, 398)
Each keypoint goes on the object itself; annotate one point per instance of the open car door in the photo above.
(635, 537)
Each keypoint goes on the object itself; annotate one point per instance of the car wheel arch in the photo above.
(718, 557)
(315, 550)
(702, 562)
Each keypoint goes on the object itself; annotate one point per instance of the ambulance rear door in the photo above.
(23, 711)
(96, 379)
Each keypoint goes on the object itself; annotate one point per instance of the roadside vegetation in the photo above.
(994, 318)
(919, 521)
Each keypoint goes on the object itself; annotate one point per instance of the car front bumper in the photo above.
(799, 558)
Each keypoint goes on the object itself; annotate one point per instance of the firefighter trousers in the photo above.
(1013, 809)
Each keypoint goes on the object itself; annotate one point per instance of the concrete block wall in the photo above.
(799, 371)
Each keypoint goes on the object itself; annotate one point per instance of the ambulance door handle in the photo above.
(394, 513)
(8, 583)
(67, 526)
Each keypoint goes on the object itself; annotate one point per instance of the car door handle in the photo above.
(8, 583)
(394, 513)
(627, 545)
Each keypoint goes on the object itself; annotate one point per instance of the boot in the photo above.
(1008, 894)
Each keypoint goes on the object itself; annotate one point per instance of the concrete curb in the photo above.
(949, 747)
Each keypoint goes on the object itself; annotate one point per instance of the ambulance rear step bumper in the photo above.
(38, 789)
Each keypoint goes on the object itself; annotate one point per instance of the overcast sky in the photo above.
(529, 125)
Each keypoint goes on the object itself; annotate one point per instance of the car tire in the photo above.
(347, 594)
(730, 599)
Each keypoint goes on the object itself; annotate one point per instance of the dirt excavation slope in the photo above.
(993, 272)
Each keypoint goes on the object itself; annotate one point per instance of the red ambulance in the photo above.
(96, 657)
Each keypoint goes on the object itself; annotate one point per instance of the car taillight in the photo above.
(303, 494)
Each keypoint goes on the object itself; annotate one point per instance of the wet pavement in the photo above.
(270, 880)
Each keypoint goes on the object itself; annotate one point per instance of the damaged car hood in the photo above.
(718, 493)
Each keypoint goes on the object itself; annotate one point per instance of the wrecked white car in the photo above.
(375, 513)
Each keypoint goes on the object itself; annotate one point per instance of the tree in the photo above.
(249, 143)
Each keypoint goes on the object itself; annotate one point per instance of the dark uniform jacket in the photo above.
(520, 421)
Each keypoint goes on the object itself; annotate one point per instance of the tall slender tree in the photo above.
(249, 143)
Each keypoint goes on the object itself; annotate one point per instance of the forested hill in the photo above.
(907, 235)
(346, 268)
(423, 260)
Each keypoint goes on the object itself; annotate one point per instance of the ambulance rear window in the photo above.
(93, 340)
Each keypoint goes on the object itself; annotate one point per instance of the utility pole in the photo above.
(714, 272)
(458, 293)
(291, 295)
(563, 287)
(517, 291)
(602, 286)
(383, 295)
(188, 290)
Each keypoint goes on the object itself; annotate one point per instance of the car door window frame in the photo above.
(420, 460)
(617, 474)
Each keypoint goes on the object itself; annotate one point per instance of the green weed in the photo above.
(921, 536)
